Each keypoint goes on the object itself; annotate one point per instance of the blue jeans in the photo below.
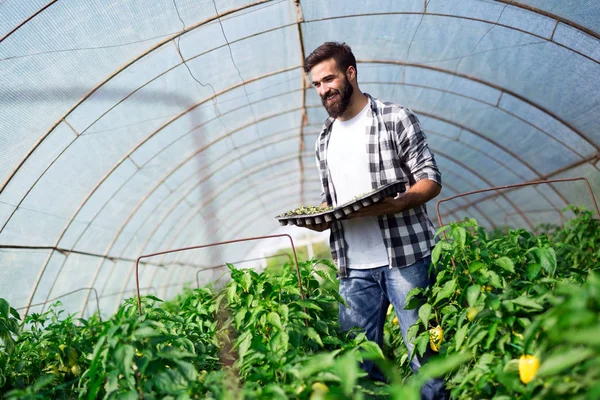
(368, 293)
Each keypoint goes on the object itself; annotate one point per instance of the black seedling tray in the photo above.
(342, 211)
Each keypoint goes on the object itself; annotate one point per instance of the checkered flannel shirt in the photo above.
(398, 151)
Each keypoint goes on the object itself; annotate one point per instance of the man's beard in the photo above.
(341, 104)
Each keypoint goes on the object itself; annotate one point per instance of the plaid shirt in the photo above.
(398, 151)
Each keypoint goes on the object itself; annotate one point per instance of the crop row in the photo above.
(511, 316)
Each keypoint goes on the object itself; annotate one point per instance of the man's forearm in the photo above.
(418, 194)
(421, 192)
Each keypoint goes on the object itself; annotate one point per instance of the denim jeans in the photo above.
(368, 293)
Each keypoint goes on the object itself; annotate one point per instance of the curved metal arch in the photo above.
(546, 177)
(26, 20)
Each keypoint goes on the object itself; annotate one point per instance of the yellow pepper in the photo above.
(436, 335)
(395, 320)
(528, 366)
(471, 313)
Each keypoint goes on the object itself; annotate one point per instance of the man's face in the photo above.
(333, 87)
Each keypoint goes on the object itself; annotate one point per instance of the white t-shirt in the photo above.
(348, 163)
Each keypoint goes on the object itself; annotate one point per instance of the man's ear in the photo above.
(351, 74)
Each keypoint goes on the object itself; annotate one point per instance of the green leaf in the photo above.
(460, 336)
(274, 319)
(308, 304)
(459, 234)
(546, 257)
(372, 350)
(506, 264)
(557, 363)
(145, 332)
(476, 337)
(494, 279)
(476, 266)
(533, 270)
(276, 391)
(42, 381)
(151, 297)
(123, 357)
(243, 344)
(285, 311)
(173, 353)
(311, 333)
(319, 362)
(421, 343)
(440, 366)
(449, 309)
(187, 370)
(586, 336)
(446, 291)
(302, 315)
(412, 332)
(232, 293)
(4, 307)
(525, 301)
(424, 314)
(492, 330)
(511, 366)
(473, 293)
(347, 368)
(442, 229)
(441, 246)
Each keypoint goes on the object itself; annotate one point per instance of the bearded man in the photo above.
(383, 250)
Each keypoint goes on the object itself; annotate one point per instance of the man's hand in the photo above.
(420, 193)
(389, 205)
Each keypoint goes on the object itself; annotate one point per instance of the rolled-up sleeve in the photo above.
(413, 149)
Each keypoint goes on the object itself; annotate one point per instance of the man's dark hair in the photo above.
(340, 52)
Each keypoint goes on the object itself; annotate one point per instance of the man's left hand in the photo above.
(418, 194)
(389, 205)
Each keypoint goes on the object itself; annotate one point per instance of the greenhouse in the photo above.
(131, 129)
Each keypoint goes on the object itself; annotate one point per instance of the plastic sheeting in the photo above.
(130, 127)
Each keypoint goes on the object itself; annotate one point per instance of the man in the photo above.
(383, 250)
